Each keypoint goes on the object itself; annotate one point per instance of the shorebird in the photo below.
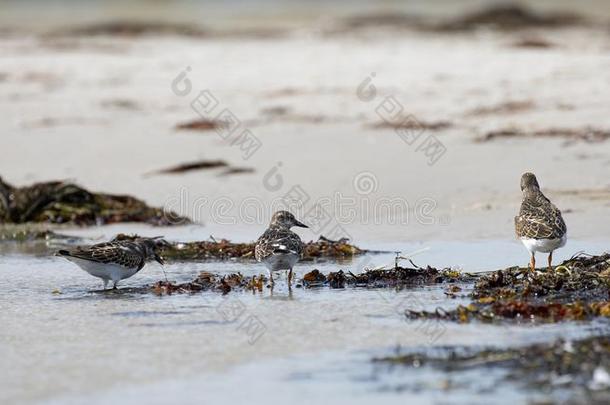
(278, 247)
(539, 224)
(115, 260)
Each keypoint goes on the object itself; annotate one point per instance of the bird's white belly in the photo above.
(281, 261)
(112, 272)
(544, 245)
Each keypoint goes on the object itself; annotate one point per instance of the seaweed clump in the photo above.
(584, 278)
(517, 310)
(587, 134)
(314, 279)
(60, 202)
(208, 250)
(132, 29)
(397, 277)
(509, 17)
(325, 247)
(405, 276)
(210, 282)
(384, 278)
(580, 363)
(578, 289)
(224, 250)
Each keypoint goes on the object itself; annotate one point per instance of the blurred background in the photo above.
(402, 121)
(231, 15)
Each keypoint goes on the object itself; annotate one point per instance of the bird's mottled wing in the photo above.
(277, 241)
(121, 253)
(539, 219)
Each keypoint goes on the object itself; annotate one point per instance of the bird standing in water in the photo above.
(115, 260)
(278, 247)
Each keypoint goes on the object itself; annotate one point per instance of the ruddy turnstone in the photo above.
(539, 224)
(115, 260)
(278, 247)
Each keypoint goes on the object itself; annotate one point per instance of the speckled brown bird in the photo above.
(278, 247)
(115, 260)
(539, 224)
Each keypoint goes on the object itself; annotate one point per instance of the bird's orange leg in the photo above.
(533, 263)
(551, 261)
(290, 278)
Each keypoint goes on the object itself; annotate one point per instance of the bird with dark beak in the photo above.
(278, 247)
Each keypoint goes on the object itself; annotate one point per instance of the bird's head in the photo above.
(529, 182)
(284, 219)
(150, 247)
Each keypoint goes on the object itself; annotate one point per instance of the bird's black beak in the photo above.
(300, 224)
(159, 259)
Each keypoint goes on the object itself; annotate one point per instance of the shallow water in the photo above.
(65, 341)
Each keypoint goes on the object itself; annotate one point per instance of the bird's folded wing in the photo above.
(540, 222)
(278, 241)
(109, 253)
